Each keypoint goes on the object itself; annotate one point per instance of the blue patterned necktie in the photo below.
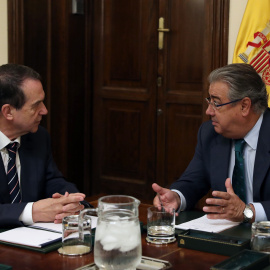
(12, 176)
(238, 178)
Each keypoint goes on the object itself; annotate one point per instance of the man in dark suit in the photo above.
(43, 194)
(237, 106)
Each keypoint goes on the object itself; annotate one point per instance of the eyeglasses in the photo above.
(216, 106)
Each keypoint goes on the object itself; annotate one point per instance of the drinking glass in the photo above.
(260, 236)
(160, 225)
(76, 235)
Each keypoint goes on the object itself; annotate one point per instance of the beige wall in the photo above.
(237, 9)
(3, 32)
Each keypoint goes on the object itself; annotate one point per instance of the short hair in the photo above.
(243, 81)
(12, 77)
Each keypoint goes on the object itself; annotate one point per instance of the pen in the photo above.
(161, 204)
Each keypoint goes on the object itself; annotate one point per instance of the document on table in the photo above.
(30, 237)
(207, 225)
(40, 234)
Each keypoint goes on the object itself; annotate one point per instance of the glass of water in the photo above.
(160, 225)
(260, 238)
(76, 235)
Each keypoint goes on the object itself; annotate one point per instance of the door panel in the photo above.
(124, 96)
(180, 96)
(124, 146)
(181, 120)
(185, 19)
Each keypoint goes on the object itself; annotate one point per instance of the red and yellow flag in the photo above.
(253, 40)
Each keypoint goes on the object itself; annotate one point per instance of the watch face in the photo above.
(248, 213)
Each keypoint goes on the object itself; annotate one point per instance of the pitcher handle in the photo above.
(81, 218)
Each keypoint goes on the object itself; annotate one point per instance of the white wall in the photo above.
(237, 8)
(3, 32)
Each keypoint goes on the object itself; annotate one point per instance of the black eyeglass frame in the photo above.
(216, 106)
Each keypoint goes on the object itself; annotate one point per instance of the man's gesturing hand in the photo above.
(225, 205)
(166, 197)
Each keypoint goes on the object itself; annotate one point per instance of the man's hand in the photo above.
(55, 209)
(58, 195)
(165, 197)
(225, 205)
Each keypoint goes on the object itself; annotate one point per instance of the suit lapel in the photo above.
(262, 159)
(220, 153)
(4, 192)
(28, 169)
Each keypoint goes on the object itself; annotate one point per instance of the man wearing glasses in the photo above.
(232, 155)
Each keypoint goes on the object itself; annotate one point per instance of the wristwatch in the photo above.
(248, 214)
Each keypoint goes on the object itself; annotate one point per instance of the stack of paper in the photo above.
(207, 225)
(30, 237)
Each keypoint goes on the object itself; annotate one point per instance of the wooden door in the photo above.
(148, 101)
(124, 121)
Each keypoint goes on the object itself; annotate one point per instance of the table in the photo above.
(180, 258)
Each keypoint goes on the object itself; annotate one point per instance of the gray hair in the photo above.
(243, 81)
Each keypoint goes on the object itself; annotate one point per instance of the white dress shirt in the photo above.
(249, 158)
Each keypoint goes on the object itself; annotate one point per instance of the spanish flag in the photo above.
(253, 40)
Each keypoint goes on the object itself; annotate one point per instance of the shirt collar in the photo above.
(4, 140)
(252, 136)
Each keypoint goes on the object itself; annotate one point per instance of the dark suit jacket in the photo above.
(210, 164)
(40, 177)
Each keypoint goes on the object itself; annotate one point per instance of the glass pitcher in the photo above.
(118, 234)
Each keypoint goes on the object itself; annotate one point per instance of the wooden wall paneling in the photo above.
(53, 42)
(29, 34)
(15, 31)
(59, 83)
(68, 90)
(36, 34)
(220, 31)
(76, 40)
(88, 101)
(98, 47)
(216, 34)
(181, 65)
